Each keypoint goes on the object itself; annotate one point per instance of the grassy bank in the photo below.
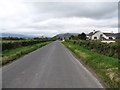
(10, 55)
(105, 67)
(108, 49)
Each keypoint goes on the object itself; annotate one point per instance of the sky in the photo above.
(38, 18)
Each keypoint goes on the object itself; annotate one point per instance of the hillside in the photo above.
(66, 35)
(15, 35)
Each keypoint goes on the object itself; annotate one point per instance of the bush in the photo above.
(111, 49)
(16, 44)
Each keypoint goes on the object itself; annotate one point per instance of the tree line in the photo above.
(81, 36)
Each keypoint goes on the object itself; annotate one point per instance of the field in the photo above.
(12, 44)
(13, 49)
(104, 66)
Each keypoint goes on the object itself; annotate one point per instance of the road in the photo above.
(51, 66)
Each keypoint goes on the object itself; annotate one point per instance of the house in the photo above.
(98, 35)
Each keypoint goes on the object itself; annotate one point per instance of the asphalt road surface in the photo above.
(51, 66)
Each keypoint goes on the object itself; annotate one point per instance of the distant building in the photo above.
(98, 35)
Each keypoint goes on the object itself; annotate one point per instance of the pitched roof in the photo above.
(91, 33)
(109, 34)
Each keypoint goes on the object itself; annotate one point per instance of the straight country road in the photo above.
(51, 66)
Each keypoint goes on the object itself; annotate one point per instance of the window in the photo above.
(95, 37)
(110, 38)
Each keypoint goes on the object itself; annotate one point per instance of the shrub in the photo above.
(16, 44)
(111, 49)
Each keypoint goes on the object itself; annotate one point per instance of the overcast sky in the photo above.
(51, 18)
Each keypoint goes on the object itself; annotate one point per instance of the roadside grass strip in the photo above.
(105, 67)
(10, 55)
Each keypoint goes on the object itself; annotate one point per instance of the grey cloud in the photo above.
(57, 17)
(95, 10)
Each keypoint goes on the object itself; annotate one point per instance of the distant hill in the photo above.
(66, 34)
(15, 35)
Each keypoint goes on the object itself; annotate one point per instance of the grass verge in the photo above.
(105, 67)
(10, 55)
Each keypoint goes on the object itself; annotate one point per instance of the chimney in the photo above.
(93, 31)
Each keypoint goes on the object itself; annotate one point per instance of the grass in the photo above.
(105, 67)
(10, 55)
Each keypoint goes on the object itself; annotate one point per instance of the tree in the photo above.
(72, 37)
(82, 36)
(36, 38)
(79, 36)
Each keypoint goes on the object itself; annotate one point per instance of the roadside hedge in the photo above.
(16, 44)
(111, 49)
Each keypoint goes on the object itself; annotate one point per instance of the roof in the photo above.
(109, 34)
(91, 33)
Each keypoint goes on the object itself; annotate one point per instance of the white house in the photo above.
(98, 35)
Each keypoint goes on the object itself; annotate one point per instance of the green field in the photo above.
(105, 67)
(12, 54)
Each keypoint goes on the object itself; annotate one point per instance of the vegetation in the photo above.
(105, 67)
(82, 36)
(12, 54)
(71, 36)
(14, 47)
(12, 43)
(12, 38)
(111, 49)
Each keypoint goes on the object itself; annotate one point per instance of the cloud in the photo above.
(95, 10)
(50, 18)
